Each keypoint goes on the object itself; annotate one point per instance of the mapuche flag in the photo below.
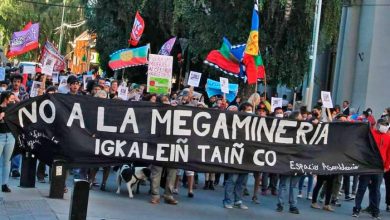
(138, 29)
(223, 59)
(252, 59)
(129, 57)
(24, 40)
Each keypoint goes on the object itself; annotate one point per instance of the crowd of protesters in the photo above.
(287, 190)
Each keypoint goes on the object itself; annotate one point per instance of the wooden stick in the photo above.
(265, 86)
(329, 115)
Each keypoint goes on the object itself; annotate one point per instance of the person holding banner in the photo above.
(7, 140)
(20, 94)
(235, 182)
(373, 181)
(291, 180)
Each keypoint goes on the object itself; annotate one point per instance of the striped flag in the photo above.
(252, 59)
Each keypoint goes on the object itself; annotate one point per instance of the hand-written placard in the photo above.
(224, 84)
(159, 74)
(48, 66)
(276, 102)
(123, 92)
(326, 99)
(35, 88)
(194, 79)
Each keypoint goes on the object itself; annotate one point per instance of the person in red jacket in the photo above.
(374, 181)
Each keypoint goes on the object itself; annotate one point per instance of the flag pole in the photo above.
(265, 86)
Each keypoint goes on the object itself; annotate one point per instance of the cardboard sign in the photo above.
(29, 70)
(86, 79)
(35, 88)
(54, 77)
(326, 99)
(48, 66)
(63, 80)
(224, 84)
(194, 79)
(159, 74)
(123, 92)
(2, 74)
(276, 102)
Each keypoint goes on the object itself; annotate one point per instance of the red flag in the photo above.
(28, 25)
(138, 29)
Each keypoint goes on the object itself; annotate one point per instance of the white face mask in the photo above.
(383, 129)
(279, 115)
(250, 112)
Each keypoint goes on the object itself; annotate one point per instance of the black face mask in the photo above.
(319, 104)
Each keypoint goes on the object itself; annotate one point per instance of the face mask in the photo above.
(250, 112)
(279, 115)
(383, 129)
(369, 113)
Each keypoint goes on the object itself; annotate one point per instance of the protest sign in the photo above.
(63, 80)
(326, 99)
(54, 77)
(159, 74)
(87, 131)
(34, 91)
(123, 92)
(48, 66)
(2, 73)
(194, 79)
(29, 69)
(224, 85)
(276, 102)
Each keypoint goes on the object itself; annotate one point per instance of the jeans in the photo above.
(269, 181)
(309, 183)
(7, 143)
(321, 179)
(293, 190)
(155, 178)
(373, 182)
(234, 188)
(15, 162)
(386, 176)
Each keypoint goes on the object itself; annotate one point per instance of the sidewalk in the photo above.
(33, 203)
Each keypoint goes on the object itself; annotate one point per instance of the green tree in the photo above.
(15, 14)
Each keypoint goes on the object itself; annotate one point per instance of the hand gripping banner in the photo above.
(87, 131)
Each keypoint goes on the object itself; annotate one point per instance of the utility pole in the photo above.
(62, 28)
(313, 56)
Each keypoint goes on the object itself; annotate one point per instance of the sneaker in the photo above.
(309, 197)
(355, 214)
(294, 210)
(41, 180)
(264, 193)
(228, 206)
(175, 191)
(315, 206)
(328, 208)
(375, 216)
(246, 192)
(5, 188)
(240, 206)
(15, 173)
(103, 187)
(367, 210)
(255, 200)
(279, 208)
(300, 195)
(191, 195)
(274, 192)
(335, 203)
(349, 198)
